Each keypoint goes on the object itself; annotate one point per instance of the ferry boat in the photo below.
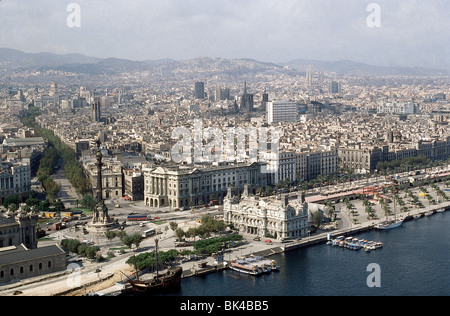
(242, 266)
(270, 264)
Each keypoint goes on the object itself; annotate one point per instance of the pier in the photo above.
(323, 237)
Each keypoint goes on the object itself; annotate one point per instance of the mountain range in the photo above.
(77, 63)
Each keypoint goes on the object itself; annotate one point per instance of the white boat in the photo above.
(389, 224)
(243, 267)
(441, 210)
(429, 213)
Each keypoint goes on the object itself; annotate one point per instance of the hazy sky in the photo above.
(412, 32)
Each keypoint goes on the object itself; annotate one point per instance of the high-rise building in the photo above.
(320, 77)
(308, 75)
(334, 87)
(281, 111)
(264, 101)
(199, 92)
(222, 94)
(95, 111)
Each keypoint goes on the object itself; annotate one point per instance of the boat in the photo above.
(171, 279)
(389, 224)
(370, 246)
(266, 265)
(429, 213)
(242, 266)
(441, 210)
(336, 241)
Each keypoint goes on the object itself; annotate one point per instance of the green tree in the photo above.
(137, 239)
(59, 206)
(127, 240)
(179, 233)
(110, 235)
(317, 217)
(91, 252)
(88, 202)
(173, 225)
(13, 199)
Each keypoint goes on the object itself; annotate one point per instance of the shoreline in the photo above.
(290, 246)
(107, 282)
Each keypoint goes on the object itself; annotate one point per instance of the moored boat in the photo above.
(389, 224)
(160, 283)
(170, 280)
(441, 210)
(243, 267)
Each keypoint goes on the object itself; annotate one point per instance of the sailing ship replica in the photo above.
(171, 279)
(389, 224)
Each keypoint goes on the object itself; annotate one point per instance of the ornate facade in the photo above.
(18, 228)
(268, 217)
(185, 186)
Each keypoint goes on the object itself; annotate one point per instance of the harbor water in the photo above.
(414, 261)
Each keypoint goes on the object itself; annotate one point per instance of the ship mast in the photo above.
(156, 247)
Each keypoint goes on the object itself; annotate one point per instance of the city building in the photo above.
(182, 186)
(15, 179)
(81, 146)
(334, 87)
(96, 111)
(309, 75)
(199, 92)
(281, 111)
(273, 217)
(18, 228)
(398, 107)
(246, 100)
(134, 184)
(19, 262)
(222, 94)
(112, 178)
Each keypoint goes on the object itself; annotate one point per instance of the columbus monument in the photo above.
(101, 222)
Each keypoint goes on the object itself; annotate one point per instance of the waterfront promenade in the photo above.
(107, 278)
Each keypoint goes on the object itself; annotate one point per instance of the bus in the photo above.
(137, 218)
(148, 233)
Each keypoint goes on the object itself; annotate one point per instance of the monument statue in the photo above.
(100, 219)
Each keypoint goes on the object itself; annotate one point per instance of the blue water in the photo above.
(415, 260)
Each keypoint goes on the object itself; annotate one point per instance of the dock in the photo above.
(319, 239)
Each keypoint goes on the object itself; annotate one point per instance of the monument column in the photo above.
(100, 220)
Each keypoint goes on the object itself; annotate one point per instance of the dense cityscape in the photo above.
(121, 177)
